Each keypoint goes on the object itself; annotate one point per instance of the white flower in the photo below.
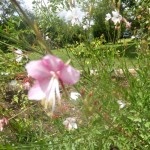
(121, 104)
(4, 73)
(70, 123)
(74, 95)
(74, 16)
(19, 58)
(19, 55)
(88, 24)
(46, 38)
(62, 14)
(132, 37)
(19, 52)
(93, 72)
(117, 18)
(108, 17)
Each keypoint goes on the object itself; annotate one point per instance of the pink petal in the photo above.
(35, 92)
(69, 75)
(53, 63)
(45, 85)
(37, 70)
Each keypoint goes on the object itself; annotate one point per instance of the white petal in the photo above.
(74, 125)
(19, 58)
(122, 104)
(74, 95)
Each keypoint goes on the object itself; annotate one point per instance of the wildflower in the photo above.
(108, 17)
(47, 38)
(4, 73)
(70, 123)
(74, 95)
(3, 122)
(117, 18)
(88, 24)
(121, 104)
(19, 55)
(93, 72)
(132, 37)
(47, 73)
(75, 16)
(128, 24)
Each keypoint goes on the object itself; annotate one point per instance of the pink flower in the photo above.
(128, 24)
(47, 73)
(3, 122)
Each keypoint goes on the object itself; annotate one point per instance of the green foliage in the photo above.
(106, 78)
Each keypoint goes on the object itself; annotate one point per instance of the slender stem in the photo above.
(21, 112)
(34, 26)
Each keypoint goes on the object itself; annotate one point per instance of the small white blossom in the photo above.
(108, 17)
(19, 52)
(75, 15)
(121, 104)
(132, 37)
(4, 73)
(74, 95)
(70, 123)
(19, 55)
(117, 18)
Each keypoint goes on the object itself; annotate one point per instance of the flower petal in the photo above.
(35, 92)
(52, 63)
(37, 70)
(69, 75)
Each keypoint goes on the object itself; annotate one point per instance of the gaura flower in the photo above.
(19, 55)
(128, 24)
(75, 16)
(70, 123)
(74, 95)
(47, 73)
(3, 122)
(121, 104)
(117, 18)
(108, 17)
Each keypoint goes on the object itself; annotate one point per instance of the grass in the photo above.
(101, 122)
(126, 47)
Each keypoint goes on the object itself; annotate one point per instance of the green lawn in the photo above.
(127, 52)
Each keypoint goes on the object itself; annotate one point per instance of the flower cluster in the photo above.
(117, 19)
(47, 73)
(76, 16)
